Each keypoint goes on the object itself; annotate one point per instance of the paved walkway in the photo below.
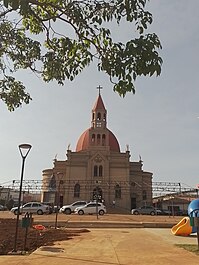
(139, 246)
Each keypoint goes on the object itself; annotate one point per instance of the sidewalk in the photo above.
(124, 246)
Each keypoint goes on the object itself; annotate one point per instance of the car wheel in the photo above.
(80, 212)
(67, 211)
(136, 213)
(101, 212)
(39, 212)
(152, 213)
(15, 212)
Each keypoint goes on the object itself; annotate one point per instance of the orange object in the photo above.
(183, 228)
(39, 227)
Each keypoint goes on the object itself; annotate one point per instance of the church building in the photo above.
(98, 169)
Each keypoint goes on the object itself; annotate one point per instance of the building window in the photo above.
(117, 191)
(93, 138)
(77, 190)
(103, 139)
(95, 171)
(98, 116)
(52, 184)
(99, 124)
(104, 117)
(133, 184)
(100, 171)
(98, 139)
(144, 195)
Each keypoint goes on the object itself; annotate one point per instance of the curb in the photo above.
(109, 225)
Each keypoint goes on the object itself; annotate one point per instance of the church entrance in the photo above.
(97, 194)
(61, 200)
(133, 203)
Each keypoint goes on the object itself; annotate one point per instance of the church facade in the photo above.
(97, 169)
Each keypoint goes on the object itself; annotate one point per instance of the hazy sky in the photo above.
(160, 122)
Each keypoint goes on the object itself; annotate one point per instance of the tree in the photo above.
(72, 35)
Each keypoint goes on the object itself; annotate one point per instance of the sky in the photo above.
(160, 122)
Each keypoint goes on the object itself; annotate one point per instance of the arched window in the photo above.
(52, 184)
(95, 171)
(144, 195)
(93, 138)
(93, 116)
(133, 184)
(117, 191)
(98, 139)
(100, 171)
(103, 139)
(98, 116)
(77, 190)
(104, 117)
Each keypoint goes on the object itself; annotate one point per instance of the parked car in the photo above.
(181, 212)
(51, 206)
(163, 212)
(91, 208)
(146, 210)
(3, 208)
(32, 207)
(56, 209)
(68, 209)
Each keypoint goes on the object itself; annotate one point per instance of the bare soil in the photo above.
(50, 235)
(35, 238)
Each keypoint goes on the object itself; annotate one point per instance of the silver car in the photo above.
(145, 210)
(32, 207)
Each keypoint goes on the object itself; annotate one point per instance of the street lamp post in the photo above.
(97, 196)
(24, 150)
(60, 182)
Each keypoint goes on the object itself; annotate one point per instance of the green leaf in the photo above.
(58, 39)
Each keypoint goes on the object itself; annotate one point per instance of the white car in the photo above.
(68, 209)
(32, 207)
(91, 208)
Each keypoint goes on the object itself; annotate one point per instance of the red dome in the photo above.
(83, 142)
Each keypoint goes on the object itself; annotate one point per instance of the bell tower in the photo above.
(99, 113)
(98, 136)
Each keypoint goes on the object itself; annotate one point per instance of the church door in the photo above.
(97, 194)
(133, 203)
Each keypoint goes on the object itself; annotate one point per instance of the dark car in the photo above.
(181, 212)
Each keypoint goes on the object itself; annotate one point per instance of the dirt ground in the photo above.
(35, 238)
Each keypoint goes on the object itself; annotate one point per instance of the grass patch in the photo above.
(190, 248)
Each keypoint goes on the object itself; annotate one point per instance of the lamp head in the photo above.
(24, 149)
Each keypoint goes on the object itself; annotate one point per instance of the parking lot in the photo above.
(121, 218)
